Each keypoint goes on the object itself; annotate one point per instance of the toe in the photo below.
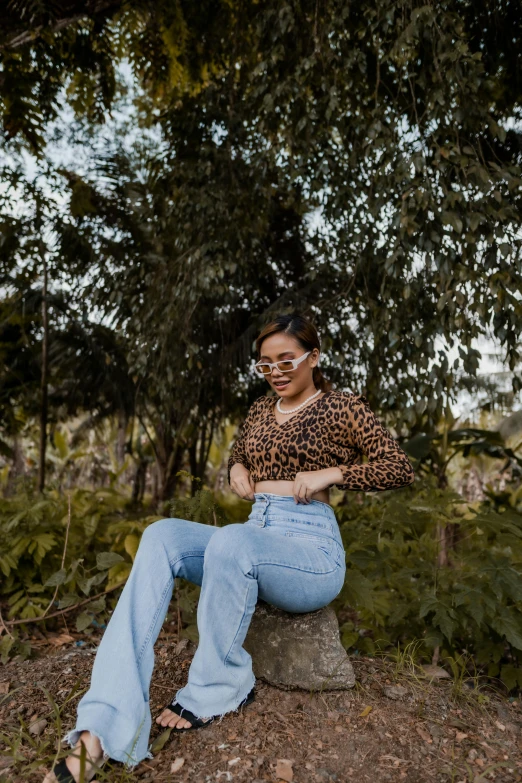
(173, 721)
(170, 719)
(165, 717)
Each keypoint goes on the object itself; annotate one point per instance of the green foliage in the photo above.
(47, 49)
(397, 591)
(101, 545)
(369, 113)
(201, 507)
(390, 120)
(18, 352)
(434, 452)
(356, 161)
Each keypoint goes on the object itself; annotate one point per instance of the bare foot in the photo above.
(93, 756)
(169, 718)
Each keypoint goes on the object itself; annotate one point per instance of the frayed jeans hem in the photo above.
(219, 716)
(73, 736)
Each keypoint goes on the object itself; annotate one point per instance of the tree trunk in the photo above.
(120, 442)
(154, 471)
(138, 487)
(442, 482)
(43, 386)
(17, 467)
(199, 451)
(166, 471)
(193, 461)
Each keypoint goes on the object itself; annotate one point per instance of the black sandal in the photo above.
(62, 773)
(198, 723)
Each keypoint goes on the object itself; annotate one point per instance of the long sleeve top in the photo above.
(333, 431)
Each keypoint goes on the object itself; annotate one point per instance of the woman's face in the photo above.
(281, 346)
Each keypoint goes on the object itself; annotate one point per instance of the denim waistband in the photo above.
(290, 498)
(281, 510)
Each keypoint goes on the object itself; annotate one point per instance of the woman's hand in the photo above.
(309, 482)
(241, 482)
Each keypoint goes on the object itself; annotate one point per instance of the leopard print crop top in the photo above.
(333, 431)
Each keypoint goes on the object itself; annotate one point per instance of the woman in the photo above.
(292, 447)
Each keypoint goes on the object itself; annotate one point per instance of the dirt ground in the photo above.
(391, 727)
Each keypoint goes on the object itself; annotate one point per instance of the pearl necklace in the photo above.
(293, 410)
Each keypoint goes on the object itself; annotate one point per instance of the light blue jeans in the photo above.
(289, 555)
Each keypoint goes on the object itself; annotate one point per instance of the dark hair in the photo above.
(304, 332)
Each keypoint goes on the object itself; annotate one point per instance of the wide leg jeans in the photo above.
(287, 554)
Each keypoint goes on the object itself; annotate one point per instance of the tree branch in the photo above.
(91, 10)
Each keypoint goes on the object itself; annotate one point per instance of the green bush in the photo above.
(102, 541)
(396, 590)
(101, 545)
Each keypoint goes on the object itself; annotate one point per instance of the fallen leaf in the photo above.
(37, 727)
(339, 729)
(366, 711)
(460, 735)
(435, 730)
(437, 672)
(234, 761)
(395, 692)
(500, 725)
(4, 687)
(180, 646)
(63, 638)
(176, 765)
(424, 734)
(160, 740)
(456, 723)
(284, 770)
(394, 759)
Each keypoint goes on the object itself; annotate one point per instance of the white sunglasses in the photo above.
(287, 365)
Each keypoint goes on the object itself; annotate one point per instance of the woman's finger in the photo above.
(296, 490)
(251, 495)
(300, 492)
(246, 491)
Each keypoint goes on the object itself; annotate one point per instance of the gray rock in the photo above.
(298, 650)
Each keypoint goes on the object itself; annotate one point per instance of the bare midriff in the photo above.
(278, 487)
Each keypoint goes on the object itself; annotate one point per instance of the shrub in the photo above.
(397, 590)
